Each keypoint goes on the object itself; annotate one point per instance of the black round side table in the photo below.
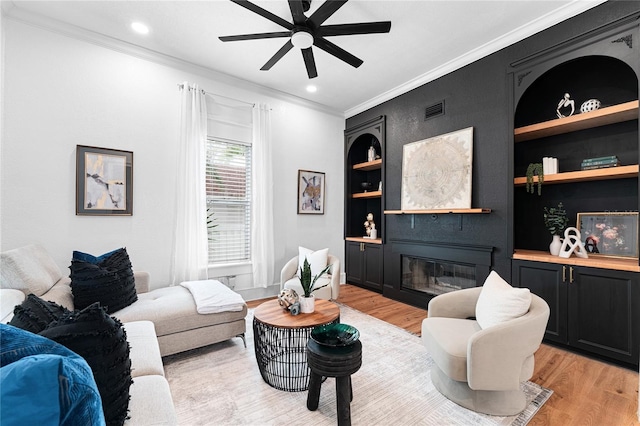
(333, 361)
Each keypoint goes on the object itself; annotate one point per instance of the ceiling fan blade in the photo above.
(279, 54)
(338, 52)
(264, 13)
(328, 8)
(255, 36)
(359, 28)
(297, 12)
(310, 63)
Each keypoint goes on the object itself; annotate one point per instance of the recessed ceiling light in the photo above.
(312, 89)
(139, 27)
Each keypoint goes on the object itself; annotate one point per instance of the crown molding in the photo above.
(550, 19)
(10, 11)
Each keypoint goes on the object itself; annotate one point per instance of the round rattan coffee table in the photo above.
(280, 341)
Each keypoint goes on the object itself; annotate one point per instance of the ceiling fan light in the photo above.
(302, 40)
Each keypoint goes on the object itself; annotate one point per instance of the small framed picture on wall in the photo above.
(310, 192)
(104, 181)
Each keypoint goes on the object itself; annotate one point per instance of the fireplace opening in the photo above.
(436, 277)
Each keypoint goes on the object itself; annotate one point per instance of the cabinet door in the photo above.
(546, 280)
(373, 266)
(603, 313)
(354, 264)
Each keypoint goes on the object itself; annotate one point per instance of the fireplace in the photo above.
(436, 277)
(415, 272)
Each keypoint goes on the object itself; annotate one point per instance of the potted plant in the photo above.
(532, 170)
(307, 300)
(556, 221)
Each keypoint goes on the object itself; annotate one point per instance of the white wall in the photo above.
(60, 91)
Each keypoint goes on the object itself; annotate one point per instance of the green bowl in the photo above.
(335, 334)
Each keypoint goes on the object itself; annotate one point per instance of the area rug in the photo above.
(221, 385)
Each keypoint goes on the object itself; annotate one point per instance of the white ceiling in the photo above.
(428, 39)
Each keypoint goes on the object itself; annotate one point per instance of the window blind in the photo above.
(228, 188)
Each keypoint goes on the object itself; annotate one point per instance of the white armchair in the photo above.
(289, 279)
(481, 369)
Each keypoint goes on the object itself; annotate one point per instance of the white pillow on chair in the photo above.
(499, 302)
(317, 259)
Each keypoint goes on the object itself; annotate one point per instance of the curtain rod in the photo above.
(181, 86)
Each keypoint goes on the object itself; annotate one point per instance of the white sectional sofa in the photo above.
(161, 322)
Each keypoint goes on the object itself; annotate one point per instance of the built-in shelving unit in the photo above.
(365, 152)
(593, 301)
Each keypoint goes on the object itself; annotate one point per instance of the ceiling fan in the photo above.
(306, 32)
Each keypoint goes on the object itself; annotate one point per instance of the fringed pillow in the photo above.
(102, 341)
(35, 314)
(107, 279)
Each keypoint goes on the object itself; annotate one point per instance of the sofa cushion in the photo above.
(172, 310)
(9, 298)
(151, 403)
(144, 350)
(102, 341)
(35, 314)
(320, 292)
(44, 380)
(499, 302)
(107, 279)
(317, 259)
(29, 269)
(446, 340)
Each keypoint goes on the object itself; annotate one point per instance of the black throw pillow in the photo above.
(102, 341)
(35, 314)
(107, 279)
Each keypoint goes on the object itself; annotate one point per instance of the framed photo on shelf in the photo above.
(310, 192)
(104, 181)
(611, 234)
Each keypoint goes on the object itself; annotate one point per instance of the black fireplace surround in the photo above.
(415, 272)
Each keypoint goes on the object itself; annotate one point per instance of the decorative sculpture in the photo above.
(573, 244)
(287, 298)
(564, 104)
(370, 227)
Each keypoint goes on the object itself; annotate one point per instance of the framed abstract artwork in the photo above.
(310, 192)
(436, 172)
(104, 181)
(612, 234)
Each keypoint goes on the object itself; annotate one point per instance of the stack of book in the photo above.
(599, 162)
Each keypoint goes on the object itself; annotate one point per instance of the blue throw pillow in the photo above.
(45, 383)
(86, 257)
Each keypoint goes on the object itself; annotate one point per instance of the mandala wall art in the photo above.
(436, 172)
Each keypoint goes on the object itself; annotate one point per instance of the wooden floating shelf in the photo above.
(594, 261)
(606, 173)
(364, 240)
(369, 165)
(439, 211)
(600, 117)
(370, 194)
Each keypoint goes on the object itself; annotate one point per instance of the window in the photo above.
(228, 201)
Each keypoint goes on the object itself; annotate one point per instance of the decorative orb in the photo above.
(287, 297)
(366, 185)
(590, 105)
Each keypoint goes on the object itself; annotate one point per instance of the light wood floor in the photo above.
(585, 391)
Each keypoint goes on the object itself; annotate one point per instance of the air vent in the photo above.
(434, 110)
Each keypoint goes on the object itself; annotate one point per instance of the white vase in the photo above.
(307, 304)
(556, 244)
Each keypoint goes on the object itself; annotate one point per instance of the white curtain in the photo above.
(262, 202)
(190, 247)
